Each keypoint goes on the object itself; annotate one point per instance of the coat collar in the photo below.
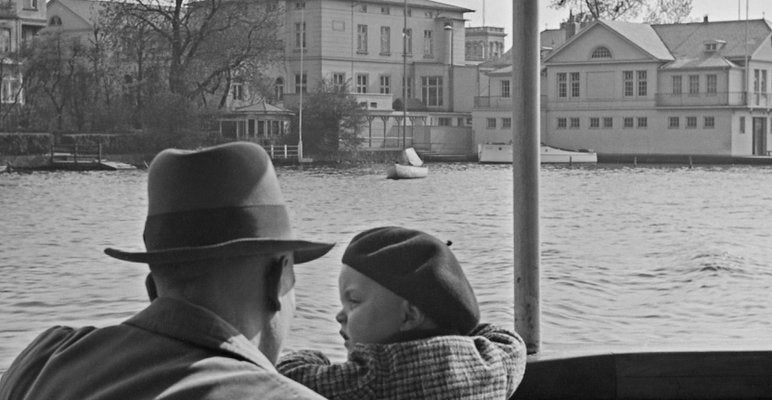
(197, 325)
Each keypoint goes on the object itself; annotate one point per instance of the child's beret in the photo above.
(419, 268)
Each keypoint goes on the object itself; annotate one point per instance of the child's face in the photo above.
(370, 313)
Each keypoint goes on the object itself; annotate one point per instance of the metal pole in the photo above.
(525, 169)
(404, 76)
(302, 78)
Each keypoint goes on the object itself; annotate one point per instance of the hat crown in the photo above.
(236, 174)
(419, 268)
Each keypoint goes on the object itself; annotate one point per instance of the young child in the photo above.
(409, 320)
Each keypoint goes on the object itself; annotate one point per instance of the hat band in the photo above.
(212, 226)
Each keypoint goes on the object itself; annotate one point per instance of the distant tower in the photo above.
(484, 43)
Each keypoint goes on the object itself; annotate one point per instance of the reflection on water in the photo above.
(629, 255)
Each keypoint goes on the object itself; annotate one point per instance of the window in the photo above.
(33, 4)
(385, 84)
(385, 40)
(361, 38)
(5, 40)
(408, 82)
(562, 85)
(11, 87)
(763, 86)
(505, 88)
(409, 44)
(363, 8)
(506, 123)
(627, 77)
(362, 82)
(594, 122)
(673, 122)
(694, 84)
(385, 10)
(710, 47)
(642, 84)
(574, 122)
(428, 44)
(627, 122)
(491, 123)
(237, 91)
(338, 80)
(643, 122)
(561, 123)
(299, 5)
(409, 12)
(691, 122)
(677, 84)
(711, 83)
(278, 88)
(574, 84)
(443, 121)
(301, 84)
(742, 124)
(709, 122)
(608, 122)
(300, 35)
(55, 21)
(601, 52)
(431, 90)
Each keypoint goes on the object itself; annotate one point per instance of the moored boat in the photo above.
(502, 153)
(412, 167)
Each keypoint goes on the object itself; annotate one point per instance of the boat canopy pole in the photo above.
(525, 169)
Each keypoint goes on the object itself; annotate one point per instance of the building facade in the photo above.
(629, 88)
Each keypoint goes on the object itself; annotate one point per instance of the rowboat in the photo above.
(411, 166)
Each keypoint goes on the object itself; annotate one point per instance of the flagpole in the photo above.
(404, 76)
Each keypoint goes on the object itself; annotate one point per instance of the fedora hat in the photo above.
(221, 201)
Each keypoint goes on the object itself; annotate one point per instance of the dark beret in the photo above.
(419, 268)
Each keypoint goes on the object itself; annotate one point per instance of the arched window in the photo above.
(278, 88)
(55, 21)
(601, 52)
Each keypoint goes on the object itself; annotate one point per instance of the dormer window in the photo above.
(55, 21)
(601, 52)
(714, 45)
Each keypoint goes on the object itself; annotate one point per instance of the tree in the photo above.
(202, 43)
(331, 120)
(652, 11)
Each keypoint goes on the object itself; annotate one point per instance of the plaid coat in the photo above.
(487, 364)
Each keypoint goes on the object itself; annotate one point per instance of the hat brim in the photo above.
(303, 251)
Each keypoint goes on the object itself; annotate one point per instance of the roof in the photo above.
(643, 36)
(688, 40)
(423, 4)
(261, 107)
(87, 10)
(714, 61)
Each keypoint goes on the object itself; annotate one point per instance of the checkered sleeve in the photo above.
(486, 365)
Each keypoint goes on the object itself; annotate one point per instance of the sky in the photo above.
(499, 12)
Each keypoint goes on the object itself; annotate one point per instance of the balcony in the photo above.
(711, 99)
(495, 102)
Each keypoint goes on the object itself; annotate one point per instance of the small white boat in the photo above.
(502, 153)
(412, 167)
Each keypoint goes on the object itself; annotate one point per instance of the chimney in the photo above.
(705, 19)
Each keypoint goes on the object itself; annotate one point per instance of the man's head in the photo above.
(218, 235)
(395, 280)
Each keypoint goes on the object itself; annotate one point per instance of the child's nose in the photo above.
(340, 317)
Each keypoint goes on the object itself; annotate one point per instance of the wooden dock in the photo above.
(81, 158)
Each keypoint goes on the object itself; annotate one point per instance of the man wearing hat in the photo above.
(221, 255)
(410, 323)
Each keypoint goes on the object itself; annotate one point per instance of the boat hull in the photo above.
(502, 153)
(399, 171)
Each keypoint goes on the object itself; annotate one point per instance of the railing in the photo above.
(707, 99)
(492, 102)
(282, 152)
(76, 154)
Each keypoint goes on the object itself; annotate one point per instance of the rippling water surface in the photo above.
(629, 255)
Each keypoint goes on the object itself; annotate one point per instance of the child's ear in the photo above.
(412, 317)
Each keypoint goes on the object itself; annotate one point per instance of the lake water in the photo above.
(630, 255)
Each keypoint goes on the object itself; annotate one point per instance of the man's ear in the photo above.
(412, 317)
(152, 293)
(273, 282)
